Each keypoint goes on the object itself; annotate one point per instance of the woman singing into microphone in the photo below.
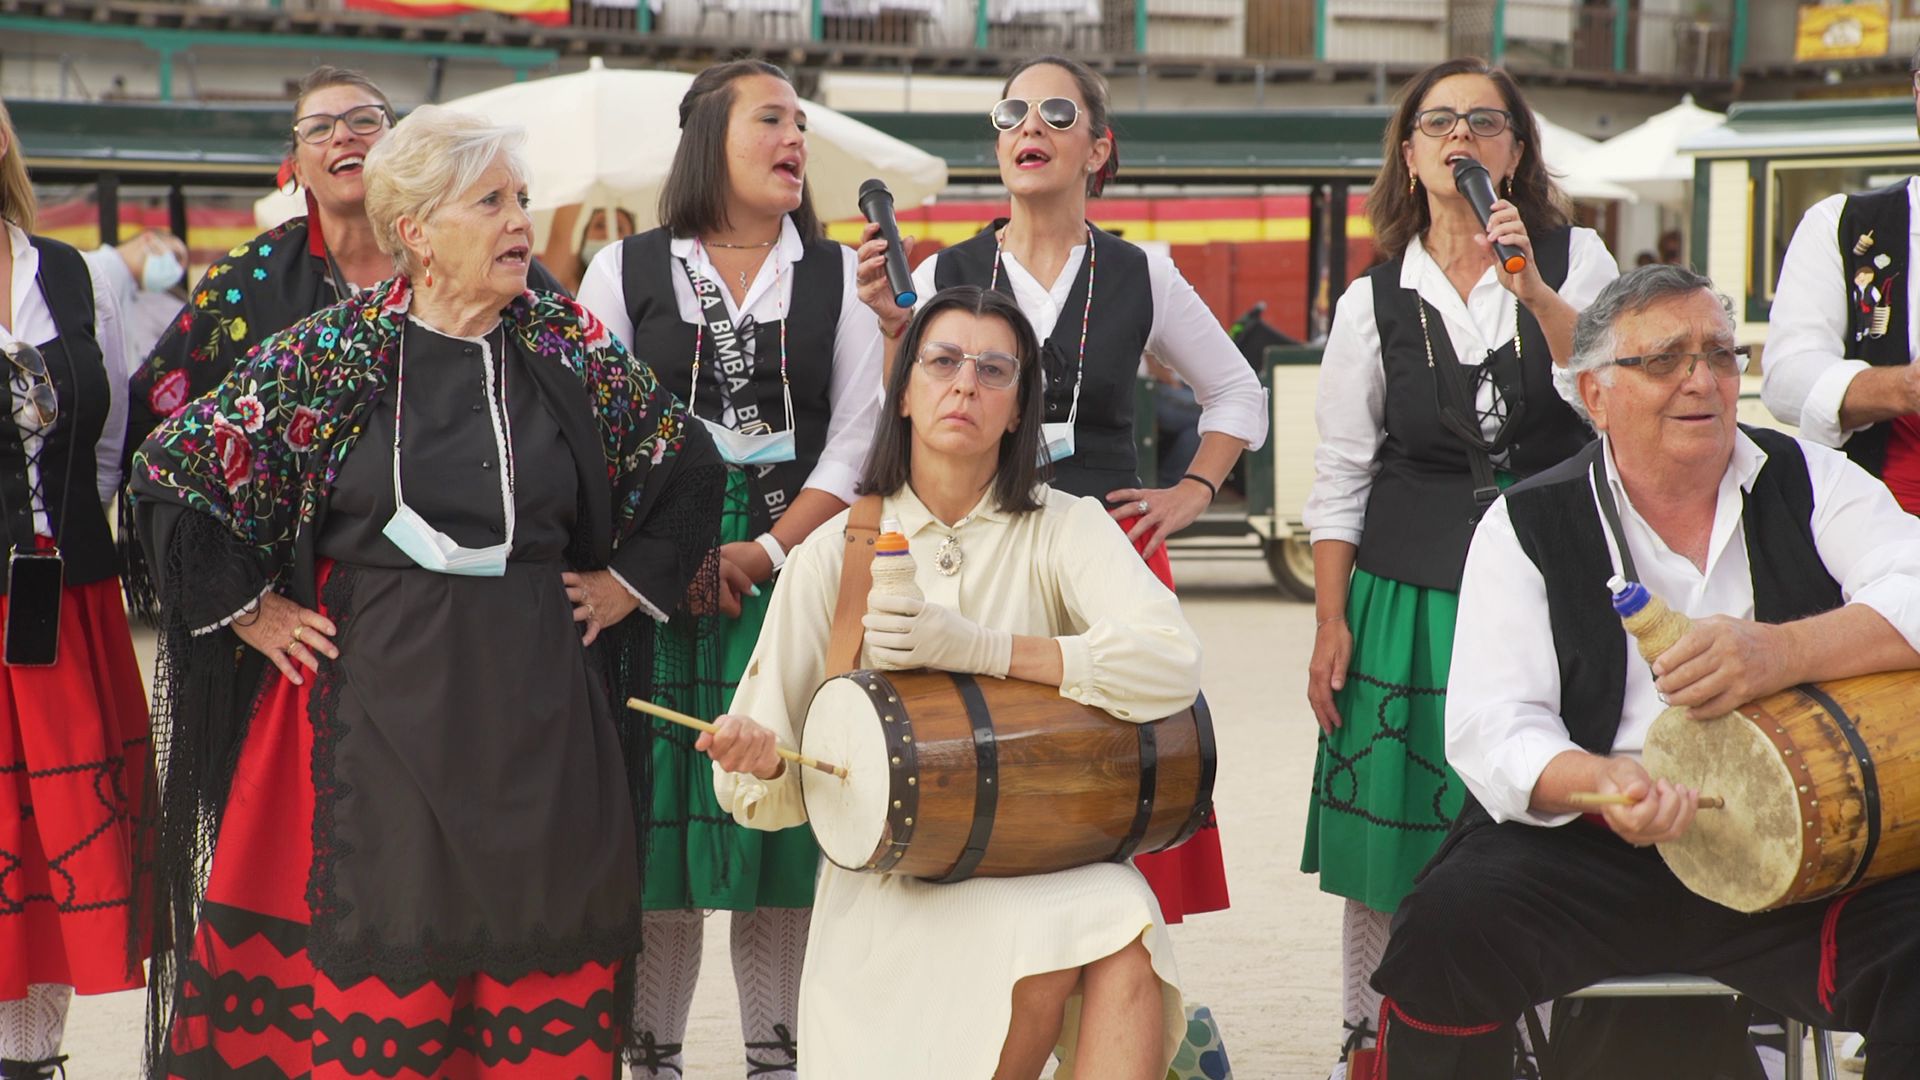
(1437, 389)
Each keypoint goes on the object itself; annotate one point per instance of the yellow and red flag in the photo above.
(545, 12)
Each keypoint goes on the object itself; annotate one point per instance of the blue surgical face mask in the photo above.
(431, 549)
(742, 448)
(162, 272)
(1056, 442)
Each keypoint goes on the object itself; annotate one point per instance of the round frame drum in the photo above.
(952, 777)
(1822, 790)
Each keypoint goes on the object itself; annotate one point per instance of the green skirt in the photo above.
(1383, 795)
(697, 855)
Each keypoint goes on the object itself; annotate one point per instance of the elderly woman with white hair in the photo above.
(383, 544)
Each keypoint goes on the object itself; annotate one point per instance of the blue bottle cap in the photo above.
(1628, 597)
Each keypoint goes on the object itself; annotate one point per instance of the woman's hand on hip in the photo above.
(598, 600)
(1327, 670)
(1505, 227)
(289, 635)
(739, 745)
(871, 276)
(1159, 512)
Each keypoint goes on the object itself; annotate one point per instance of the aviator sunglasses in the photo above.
(40, 393)
(1059, 113)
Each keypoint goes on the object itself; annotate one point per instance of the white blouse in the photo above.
(854, 392)
(1185, 336)
(33, 323)
(1351, 408)
(1805, 377)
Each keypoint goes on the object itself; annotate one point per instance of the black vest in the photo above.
(665, 341)
(68, 480)
(1560, 530)
(1117, 330)
(1876, 222)
(1421, 511)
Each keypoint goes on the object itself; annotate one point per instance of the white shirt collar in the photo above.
(914, 515)
(787, 250)
(25, 267)
(1743, 467)
(1428, 279)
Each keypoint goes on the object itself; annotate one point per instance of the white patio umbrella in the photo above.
(604, 138)
(1566, 153)
(1647, 157)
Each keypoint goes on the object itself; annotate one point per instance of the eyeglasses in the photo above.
(40, 393)
(1059, 113)
(1916, 82)
(995, 370)
(1440, 123)
(361, 120)
(1725, 363)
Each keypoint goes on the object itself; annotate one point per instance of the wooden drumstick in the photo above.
(1594, 800)
(684, 720)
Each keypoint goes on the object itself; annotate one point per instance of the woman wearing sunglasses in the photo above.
(1098, 303)
(752, 316)
(75, 765)
(283, 275)
(1436, 390)
(913, 980)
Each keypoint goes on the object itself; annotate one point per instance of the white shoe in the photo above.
(1853, 1053)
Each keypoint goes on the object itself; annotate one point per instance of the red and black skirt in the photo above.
(1191, 878)
(75, 769)
(259, 996)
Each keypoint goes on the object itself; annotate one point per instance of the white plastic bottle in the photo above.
(893, 568)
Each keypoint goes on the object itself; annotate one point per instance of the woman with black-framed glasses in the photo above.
(282, 275)
(1099, 303)
(1436, 391)
(75, 762)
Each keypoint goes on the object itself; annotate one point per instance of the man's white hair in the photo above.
(1596, 336)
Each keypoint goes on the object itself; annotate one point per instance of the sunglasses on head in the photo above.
(1059, 113)
(40, 393)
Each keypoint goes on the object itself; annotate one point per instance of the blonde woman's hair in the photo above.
(17, 203)
(426, 160)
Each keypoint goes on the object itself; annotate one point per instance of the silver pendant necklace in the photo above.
(950, 556)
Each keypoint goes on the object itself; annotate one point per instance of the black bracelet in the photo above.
(1213, 492)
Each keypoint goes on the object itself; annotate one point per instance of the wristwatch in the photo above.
(775, 553)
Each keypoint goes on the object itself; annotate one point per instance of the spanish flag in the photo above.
(545, 12)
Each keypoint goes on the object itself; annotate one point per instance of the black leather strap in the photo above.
(1149, 783)
(1209, 768)
(1869, 780)
(986, 785)
(1611, 511)
(904, 772)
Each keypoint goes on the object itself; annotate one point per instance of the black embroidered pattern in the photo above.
(106, 778)
(361, 1044)
(1342, 771)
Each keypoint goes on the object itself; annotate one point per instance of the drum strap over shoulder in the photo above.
(856, 577)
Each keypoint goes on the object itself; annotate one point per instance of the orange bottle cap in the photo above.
(890, 543)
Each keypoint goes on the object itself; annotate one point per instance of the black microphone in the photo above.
(1471, 180)
(876, 202)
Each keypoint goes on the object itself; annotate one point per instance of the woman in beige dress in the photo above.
(991, 976)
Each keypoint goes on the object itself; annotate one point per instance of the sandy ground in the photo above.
(1268, 966)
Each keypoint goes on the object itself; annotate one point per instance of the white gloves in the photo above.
(903, 632)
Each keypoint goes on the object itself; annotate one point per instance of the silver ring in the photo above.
(1142, 504)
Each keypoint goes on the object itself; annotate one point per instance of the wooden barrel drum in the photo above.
(952, 777)
(1822, 789)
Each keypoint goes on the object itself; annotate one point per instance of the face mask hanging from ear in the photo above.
(161, 272)
(417, 539)
(752, 448)
(1056, 442)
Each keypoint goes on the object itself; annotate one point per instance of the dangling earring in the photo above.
(1509, 188)
(427, 265)
(1413, 184)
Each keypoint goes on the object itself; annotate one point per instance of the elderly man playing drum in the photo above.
(1795, 565)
